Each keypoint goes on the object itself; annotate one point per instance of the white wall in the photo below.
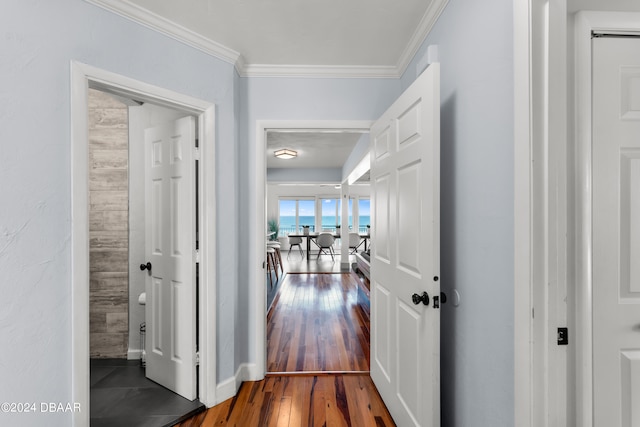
(475, 41)
(39, 41)
(359, 152)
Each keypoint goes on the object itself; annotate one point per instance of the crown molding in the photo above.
(177, 32)
(169, 28)
(427, 22)
(319, 71)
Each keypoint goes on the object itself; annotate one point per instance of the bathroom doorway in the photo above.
(202, 115)
(117, 245)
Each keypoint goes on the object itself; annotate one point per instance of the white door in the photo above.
(405, 258)
(170, 247)
(616, 231)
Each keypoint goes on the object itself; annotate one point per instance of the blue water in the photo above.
(288, 223)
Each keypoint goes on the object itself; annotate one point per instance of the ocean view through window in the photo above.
(295, 213)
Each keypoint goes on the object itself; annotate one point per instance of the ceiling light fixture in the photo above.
(285, 154)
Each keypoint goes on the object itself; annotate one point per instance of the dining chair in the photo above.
(354, 242)
(295, 241)
(325, 242)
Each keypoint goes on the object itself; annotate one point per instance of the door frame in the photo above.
(84, 77)
(258, 217)
(585, 23)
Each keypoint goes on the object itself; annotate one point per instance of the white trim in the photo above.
(169, 28)
(523, 328)
(257, 217)
(82, 77)
(134, 354)
(228, 388)
(540, 216)
(585, 24)
(427, 22)
(319, 71)
(136, 13)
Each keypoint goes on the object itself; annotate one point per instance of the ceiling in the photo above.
(355, 38)
(315, 149)
(609, 5)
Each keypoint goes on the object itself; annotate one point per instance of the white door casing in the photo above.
(616, 231)
(405, 259)
(170, 248)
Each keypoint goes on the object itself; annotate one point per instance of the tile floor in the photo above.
(121, 395)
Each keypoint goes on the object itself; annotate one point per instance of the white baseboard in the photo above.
(134, 354)
(228, 388)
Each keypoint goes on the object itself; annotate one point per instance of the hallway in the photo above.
(317, 358)
(316, 326)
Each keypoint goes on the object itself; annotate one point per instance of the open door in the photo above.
(405, 253)
(170, 250)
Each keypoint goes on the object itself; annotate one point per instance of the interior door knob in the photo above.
(417, 299)
(146, 266)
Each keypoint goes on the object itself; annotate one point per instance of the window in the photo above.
(295, 213)
(330, 212)
(364, 215)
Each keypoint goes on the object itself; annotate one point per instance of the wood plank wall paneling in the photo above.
(108, 226)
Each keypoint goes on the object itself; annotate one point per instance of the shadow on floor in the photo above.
(121, 395)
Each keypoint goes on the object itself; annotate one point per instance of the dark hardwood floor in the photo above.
(316, 326)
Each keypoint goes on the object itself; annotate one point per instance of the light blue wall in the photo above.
(39, 40)
(475, 42)
(329, 175)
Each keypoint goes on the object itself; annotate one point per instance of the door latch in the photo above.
(563, 336)
(437, 300)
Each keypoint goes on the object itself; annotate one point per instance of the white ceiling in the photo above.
(315, 149)
(608, 5)
(354, 38)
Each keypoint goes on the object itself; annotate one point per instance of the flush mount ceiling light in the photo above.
(285, 153)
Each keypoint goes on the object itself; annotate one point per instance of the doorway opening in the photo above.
(316, 292)
(84, 78)
(117, 295)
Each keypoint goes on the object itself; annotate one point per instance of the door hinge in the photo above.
(197, 358)
(196, 255)
(563, 336)
(196, 153)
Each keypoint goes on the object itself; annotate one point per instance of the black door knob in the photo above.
(417, 299)
(146, 266)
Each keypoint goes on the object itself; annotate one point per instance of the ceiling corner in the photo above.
(319, 71)
(429, 19)
(177, 32)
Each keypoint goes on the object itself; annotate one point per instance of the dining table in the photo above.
(314, 235)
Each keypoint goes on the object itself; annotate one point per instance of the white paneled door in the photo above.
(616, 231)
(170, 249)
(405, 258)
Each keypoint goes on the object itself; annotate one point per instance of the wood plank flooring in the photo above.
(293, 401)
(316, 326)
(318, 359)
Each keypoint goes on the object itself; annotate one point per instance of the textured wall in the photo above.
(475, 41)
(40, 39)
(108, 228)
